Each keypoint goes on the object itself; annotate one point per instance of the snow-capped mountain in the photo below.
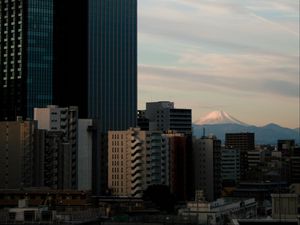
(219, 123)
(219, 117)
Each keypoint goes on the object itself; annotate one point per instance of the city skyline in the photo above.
(240, 57)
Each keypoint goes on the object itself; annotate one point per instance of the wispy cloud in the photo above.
(231, 48)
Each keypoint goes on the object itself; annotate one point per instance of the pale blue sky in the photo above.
(238, 56)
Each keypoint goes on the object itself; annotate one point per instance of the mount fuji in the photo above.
(219, 117)
(219, 123)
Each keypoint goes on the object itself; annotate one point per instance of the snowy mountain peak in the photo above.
(218, 117)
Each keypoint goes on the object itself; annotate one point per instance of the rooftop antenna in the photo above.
(203, 134)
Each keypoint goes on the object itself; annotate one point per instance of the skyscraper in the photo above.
(26, 56)
(112, 74)
(112, 63)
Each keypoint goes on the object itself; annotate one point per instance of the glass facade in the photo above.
(26, 42)
(112, 63)
(39, 54)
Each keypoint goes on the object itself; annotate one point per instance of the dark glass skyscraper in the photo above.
(96, 60)
(112, 63)
(26, 56)
(112, 73)
(95, 68)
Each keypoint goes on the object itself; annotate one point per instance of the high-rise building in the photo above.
(17, 154)
(136, 160)
(163, 116)
(245, 142)
(97, 41)
(64, 120)
(26, 56)
(208, 166)
(112, 63)
(70, 48)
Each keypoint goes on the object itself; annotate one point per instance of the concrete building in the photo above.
(178, 147)
(208, 166)
(284, 206)
(244, 142)
(17, 153)
(61, 122)
(164, 116)
(85, 154)
(136, 159)
(230, 167)
(221, 211)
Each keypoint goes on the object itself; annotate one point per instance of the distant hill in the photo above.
(268, 134)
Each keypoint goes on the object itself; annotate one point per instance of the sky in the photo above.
(240, 56)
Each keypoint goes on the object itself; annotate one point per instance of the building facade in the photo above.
(136, 160)
(65, 121)
(26, 57)
(230, 167)
(85, 154)
(178, 147)
(244, 142)
(112, 63)
(17, 154)
(164, 116)
(208, 166)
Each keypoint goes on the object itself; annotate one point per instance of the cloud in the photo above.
(183, 80)
(225, 52)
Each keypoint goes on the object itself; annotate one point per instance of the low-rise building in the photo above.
(220, 211)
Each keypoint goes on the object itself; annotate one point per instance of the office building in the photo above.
(244, 142)
(230, 167)
(112, 54)
(208, 166)
(26, 57)
(136, 160)
(164, 116)
(65, 121)
(17, 154)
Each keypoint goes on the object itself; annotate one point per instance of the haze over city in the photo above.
(238, 56)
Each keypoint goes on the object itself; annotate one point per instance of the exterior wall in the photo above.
(163, 116)
(64, 120)
(254, 158)
(16, 159)
(178, 164)
(244, 142)
(136, 159)
(26, 57)
(207, 166)
(57, 167)
(230, 162)
(112, 90)
(85, 148)
(284, 206)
